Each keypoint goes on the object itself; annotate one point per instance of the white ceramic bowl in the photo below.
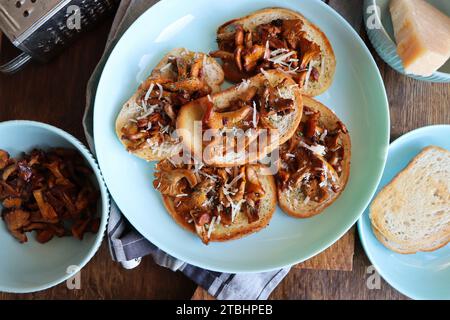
(383, 38)
(33, 266)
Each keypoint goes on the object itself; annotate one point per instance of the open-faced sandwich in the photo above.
(277, 38)
(146, 123)
(314, 163)
(245, 122)
(218, 204)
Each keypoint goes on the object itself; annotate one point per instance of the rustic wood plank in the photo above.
(337, 257)
(347, 9)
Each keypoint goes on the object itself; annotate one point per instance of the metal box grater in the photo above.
(40, 28)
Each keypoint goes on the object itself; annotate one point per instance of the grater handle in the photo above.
(15, 64)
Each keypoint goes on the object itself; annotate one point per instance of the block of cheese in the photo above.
(422, 33)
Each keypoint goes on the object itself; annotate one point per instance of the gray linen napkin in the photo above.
(126, 244)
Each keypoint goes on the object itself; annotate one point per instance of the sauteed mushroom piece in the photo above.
(4, 159)
(218, 120)
(221, 54)
(15, 221)
(252, 56)
(47, 188)
(171, 182)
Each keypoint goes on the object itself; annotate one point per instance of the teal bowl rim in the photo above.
(105, 200)
(436, 77)
(362, 238)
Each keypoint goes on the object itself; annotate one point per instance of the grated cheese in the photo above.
(278, 51)
(306, 201)
(280, 58)
(335, 149)
(149, 92)
(290, 155)
(172, 162)
(254, 114)
(243, 85)
(165, 129)
(160, 91)
(235, 207)
(266, 75)
(308, 74)
(208, 202)
(267, 53)
(168, 65)
(211, 177)
(235, 179)
(181, 195)
(323, 135)
(211, 226)
(144, 106)
(148, 111)
(317, 149)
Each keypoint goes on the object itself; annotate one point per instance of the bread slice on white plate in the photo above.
(324, 61)
(412, 212)
(165, 76)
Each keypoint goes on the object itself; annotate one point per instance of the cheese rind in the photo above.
(422, 33)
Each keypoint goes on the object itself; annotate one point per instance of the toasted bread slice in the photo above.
(404, 249)
(412, 212)
(238, 227)
(281, 126)
(211, 74)
(302, 161)
(325, 63)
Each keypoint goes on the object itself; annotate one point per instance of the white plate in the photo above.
(357, 96)
(424, 275)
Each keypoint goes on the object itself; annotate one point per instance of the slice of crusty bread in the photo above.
(214, 77)
(240, 226)
(412, 212)
(253, 20)
(293, 201)
(286, 126)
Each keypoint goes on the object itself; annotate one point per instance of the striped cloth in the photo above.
(126, 244)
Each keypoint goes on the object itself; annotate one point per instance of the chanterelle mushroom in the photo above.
(15, 221)
(218, 120)
(171, 182)
(4, 158)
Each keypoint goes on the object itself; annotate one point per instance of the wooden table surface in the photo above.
(55, 93)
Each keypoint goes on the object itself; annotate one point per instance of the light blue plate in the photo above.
(383, 39)
(424, 275)
(33, 266)
(357, 96)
